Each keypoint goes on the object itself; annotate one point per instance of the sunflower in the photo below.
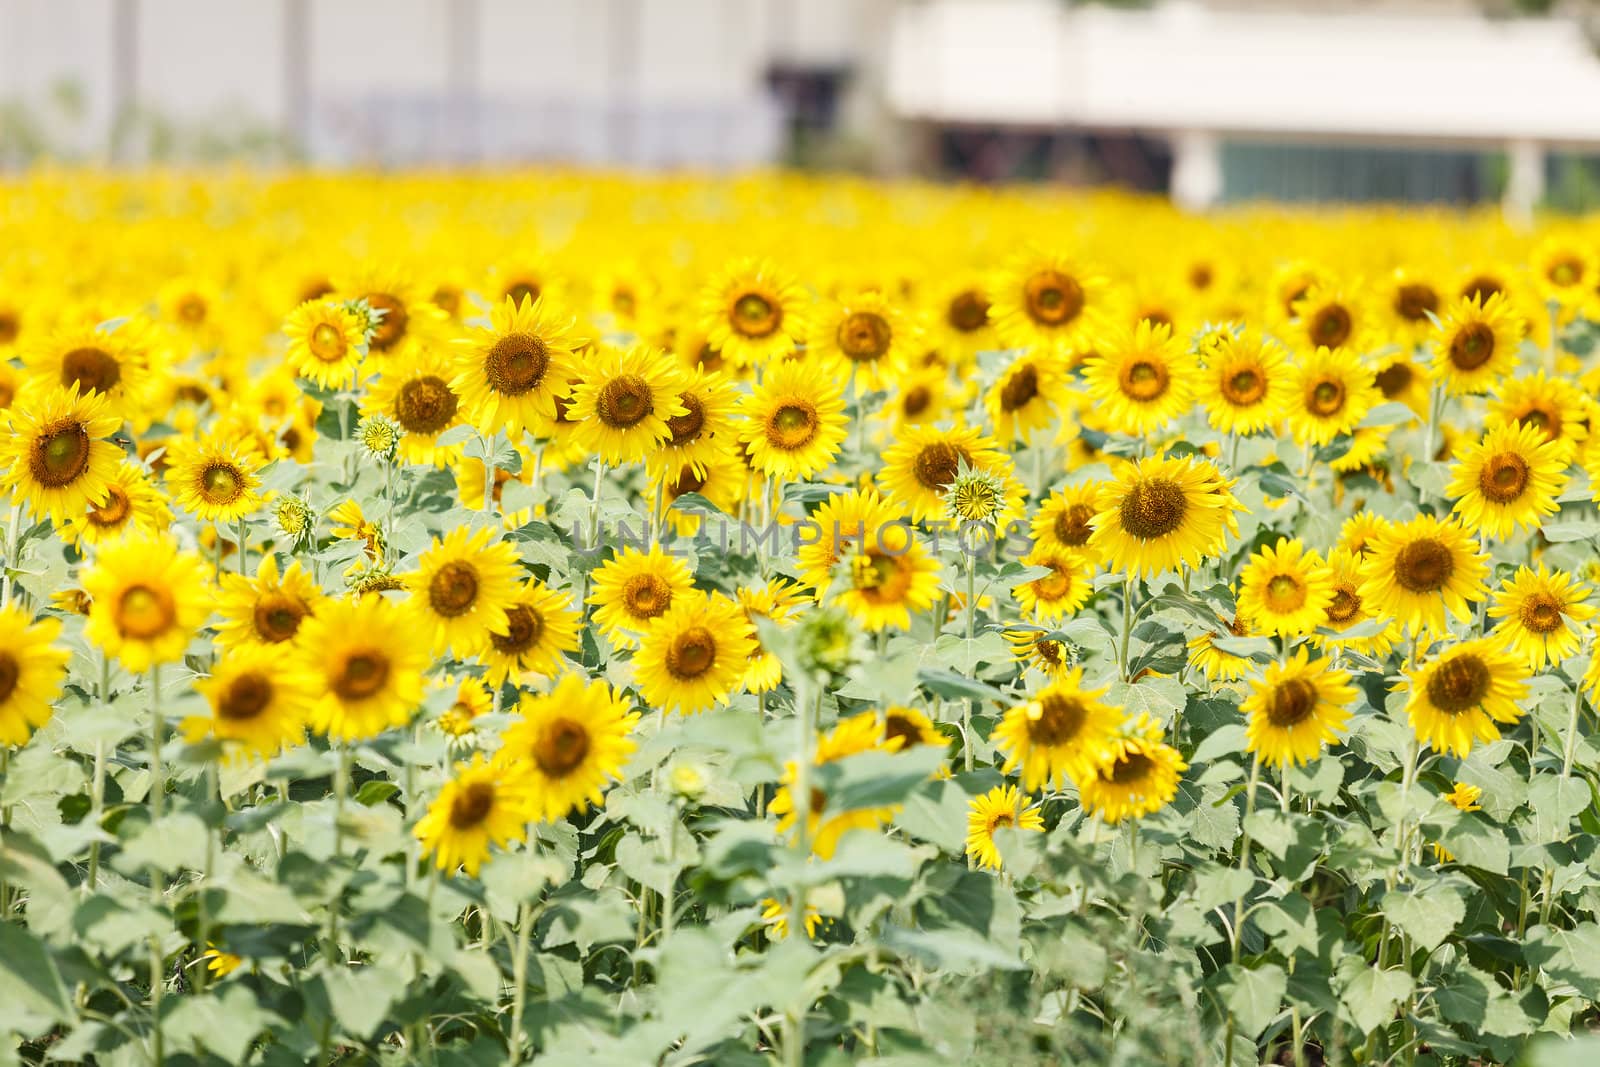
(541, 628)
(1332, 392)
(891, 575)
(327, 341)
(1412, 297)
(959, 316)
(1507, 481)
(752, 312)
(634, 588)
(1002, 806)
(1059, 734)
(919, 467)
(1023, 398)
(1421, 569)
(472, 701)
(100, 362)
(55, 458)
(775, 916)
(849, 737)
(1285, 590)
(481, 807)
(1565, 269)
(568, 744)
(132, 505)
(406, 319)
(795, 422)
(1360, 530)
(1065, 521)
(777, 599)
(267, 609)
(1161, 514)
(1246, 385)
(147, 601)
(705, 432)
(32, 669)
(1331, 316)
(368, 659)
(624, 401)
(863, 335)
(1475, 344)
(842, 523)
(350, 523)
(1136, 775)
(1402, 380)
(214, 479)
(510, 373)
(1295, 708)
(922, 396)
(1213, 662)
(1032, 648)
(418, 396)
(1142, 376)
(722, 481)
(1061, 592)
(907, 728)
(695, 654)
(259, 702)
(1556, 407)
(1538, 612)
(1046, 303)
(1456, 698)
(1347, 610)
(463, 588)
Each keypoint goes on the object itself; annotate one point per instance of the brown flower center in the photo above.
(1130, 771)
(1459, 685)
(1072, 526)
(1346, 605)
(968, 311)
(361, 674)
(1504, 477)
(646, 596)
(691, 653)
(1564, 271)
(1541, 613)
(1291, 703)
(1060, 719)
(1054, 586)
(686, 428)
(1284, 593)
(524, 626)
(864, 337)
(1052, 298)
(523, 290)
(1413, 301)
(1472, 346)
(93, 370)
(1153, 507)
(10, 673)
(1144, 380)
(327, 343)
(1330, 326)
(246, 697)
(60, 454)
(144, 612)
(453, 589)
(1325, 397)
(755, 316)
(425, 406)
(1481, 288)
(277, 616)
(1244, 386)
(1020, 387)
(391, 329)
(937, 464)
(516, 364)
(9, 327)
(114, 511)
(1424, 566)
(793, 425)
(624, 402)
(221, 483)
(471, 805)
(915, 401)
(901, 728)
(1395, 379)
(561, 748)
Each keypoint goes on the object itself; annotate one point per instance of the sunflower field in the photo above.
(570, 618)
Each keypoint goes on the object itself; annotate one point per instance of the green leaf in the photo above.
(876, 779)
(1253, 996)
(1371, 995)
(1474, 842)
(30, 984)
(1571, 956)
(224, 1025)
(953, 686)
(1429, 912)
(375, 791)
(1571, 530)
(360, 998)
(1555, 803)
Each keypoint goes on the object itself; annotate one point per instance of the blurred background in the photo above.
(1456, 101)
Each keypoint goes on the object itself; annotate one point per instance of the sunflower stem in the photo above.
(341, 785)
(158, 889)
(202, 918)
(97, 784)
(243, 540)
(488, 474)
(13, 553)
(1127, 626)
(1570, 747)
(1551, 348)
(972, 616)
(519, 981)
(5, 823)
(807, 708)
